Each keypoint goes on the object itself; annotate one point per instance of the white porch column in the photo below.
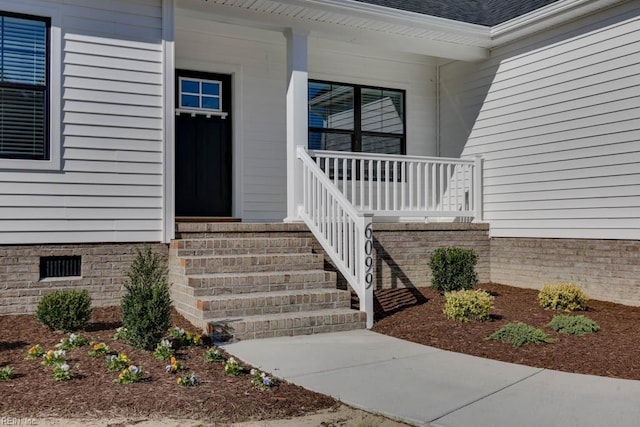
(297, 116)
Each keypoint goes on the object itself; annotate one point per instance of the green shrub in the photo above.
(65, 310)
(146, 305)
(469, 305)
(562, 296)
(519, 334)
(573, 325)
(453, 269)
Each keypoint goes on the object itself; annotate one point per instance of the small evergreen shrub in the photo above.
(146, 305)
(465, 306)
(453, 269)
(65, 310)
(562, 296)
(519, 334)
(573, 325)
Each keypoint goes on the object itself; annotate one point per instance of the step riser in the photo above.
(242, 246)
(251, 268)
(251, 264)
(241, 235)
(248, 289)
(262, 279)
(248, 251)
(275, 305)
(302, 325)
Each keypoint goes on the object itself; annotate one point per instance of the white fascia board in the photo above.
(397, 16)
(546, 17)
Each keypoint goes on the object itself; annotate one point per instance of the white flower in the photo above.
(253, 372)
(59, 353)
(64, 367)
(134, 369)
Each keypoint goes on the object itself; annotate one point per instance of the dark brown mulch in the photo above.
(219, 398)
(416, 315)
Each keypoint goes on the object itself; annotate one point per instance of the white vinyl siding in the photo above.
(109, 185)
(556, 119)
(257, 60)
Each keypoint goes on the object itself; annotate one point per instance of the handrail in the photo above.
(344, 232)
(405, 186)
(380, 156)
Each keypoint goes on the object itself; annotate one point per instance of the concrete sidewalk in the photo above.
(426, 386)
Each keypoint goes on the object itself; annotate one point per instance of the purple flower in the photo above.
(266, 381)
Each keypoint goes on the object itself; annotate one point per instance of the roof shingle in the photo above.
(481, 12)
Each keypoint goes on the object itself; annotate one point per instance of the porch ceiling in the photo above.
(353, 22)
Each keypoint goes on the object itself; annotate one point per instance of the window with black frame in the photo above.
(24, 87)
(345, 117)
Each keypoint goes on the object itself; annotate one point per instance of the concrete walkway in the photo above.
(426, 386)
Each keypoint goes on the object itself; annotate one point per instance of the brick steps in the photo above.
(241, 246)
(264, 303)
(269, 281)
(245, 281)
(250, 263)
(286, 324)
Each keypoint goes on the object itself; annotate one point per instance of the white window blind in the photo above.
(23, 87)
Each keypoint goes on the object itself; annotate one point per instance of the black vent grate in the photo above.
(60, 266)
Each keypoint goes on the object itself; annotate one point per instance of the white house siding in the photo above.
(258, 59)
(109, 185)
(555, 117)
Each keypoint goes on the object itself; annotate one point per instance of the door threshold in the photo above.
(207, 219)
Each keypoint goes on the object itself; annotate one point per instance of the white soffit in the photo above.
(355, 22)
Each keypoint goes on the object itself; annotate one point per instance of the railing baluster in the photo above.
(370, 179)
(410, 196)
(403, 175)
(353, 199)
(361, 171)
(395, 186)
(378, 183)
(434, 186)
(387, 177)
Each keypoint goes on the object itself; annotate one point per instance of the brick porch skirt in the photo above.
(606, 269)
(103, 270)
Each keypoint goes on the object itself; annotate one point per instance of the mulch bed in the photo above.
(416, 315)
(219, 398)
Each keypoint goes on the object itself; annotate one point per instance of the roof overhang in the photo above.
(546, 17)
(355, 22)
(371, 25)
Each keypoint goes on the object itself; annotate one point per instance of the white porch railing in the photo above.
(342, 191)
(405, 186)
(344, 233)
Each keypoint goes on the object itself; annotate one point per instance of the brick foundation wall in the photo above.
(402, 251)
(606, 269)
(104, 268)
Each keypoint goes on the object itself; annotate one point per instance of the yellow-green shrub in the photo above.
(468, 305)
(563, 296)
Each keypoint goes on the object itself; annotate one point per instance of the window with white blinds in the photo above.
(344, 117)
(23, 87)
